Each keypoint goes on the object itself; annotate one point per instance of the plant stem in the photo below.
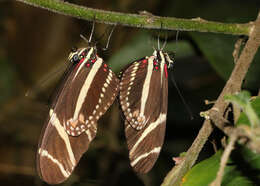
(145, 20)
(224, 160)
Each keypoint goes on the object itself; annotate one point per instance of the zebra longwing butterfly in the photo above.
(87, 91)
(144, 101)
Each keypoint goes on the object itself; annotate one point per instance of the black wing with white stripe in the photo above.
(144, 101)
(87, 92)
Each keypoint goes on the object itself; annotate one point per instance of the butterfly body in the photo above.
(87, 91)
(144, 101)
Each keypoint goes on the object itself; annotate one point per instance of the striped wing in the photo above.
(87, 93)
(88, 97)
(147, 97)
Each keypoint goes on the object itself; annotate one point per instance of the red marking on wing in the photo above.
(80, 63)
(165, 70)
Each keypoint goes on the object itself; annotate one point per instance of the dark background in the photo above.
(34, 46)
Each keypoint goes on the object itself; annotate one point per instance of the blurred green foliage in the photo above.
(239, 173)
(7, 80)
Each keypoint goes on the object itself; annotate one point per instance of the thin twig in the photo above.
(246, 135)
(233, 85)
(219, 121)
(148, 21)
(237, 49)
(224, 159)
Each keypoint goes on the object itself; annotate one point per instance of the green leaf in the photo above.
(242, 100)
(246, 169)
(235, 178)
(204, 172)
(252, 158)
(243, 118)
(218, 50)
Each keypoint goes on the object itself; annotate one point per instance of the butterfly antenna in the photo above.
(182, 98)
(92, 31)
(164, 44)
(109, 37)
(176, 38)
(84, 38)
(158, 43)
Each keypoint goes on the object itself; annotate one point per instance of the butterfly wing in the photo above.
(148, 96)
(87, 93)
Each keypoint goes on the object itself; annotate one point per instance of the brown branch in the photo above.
(233, 85)
(237, 49)
(217, 118)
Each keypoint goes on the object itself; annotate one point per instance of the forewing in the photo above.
(89, 96)
(64, 139)
(136, 92)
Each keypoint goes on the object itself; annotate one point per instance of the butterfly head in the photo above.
(164, 57)
(76, 55)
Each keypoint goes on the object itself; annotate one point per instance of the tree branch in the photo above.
(147, 20)
(224, 159)
(247, 136)
(233, 85)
